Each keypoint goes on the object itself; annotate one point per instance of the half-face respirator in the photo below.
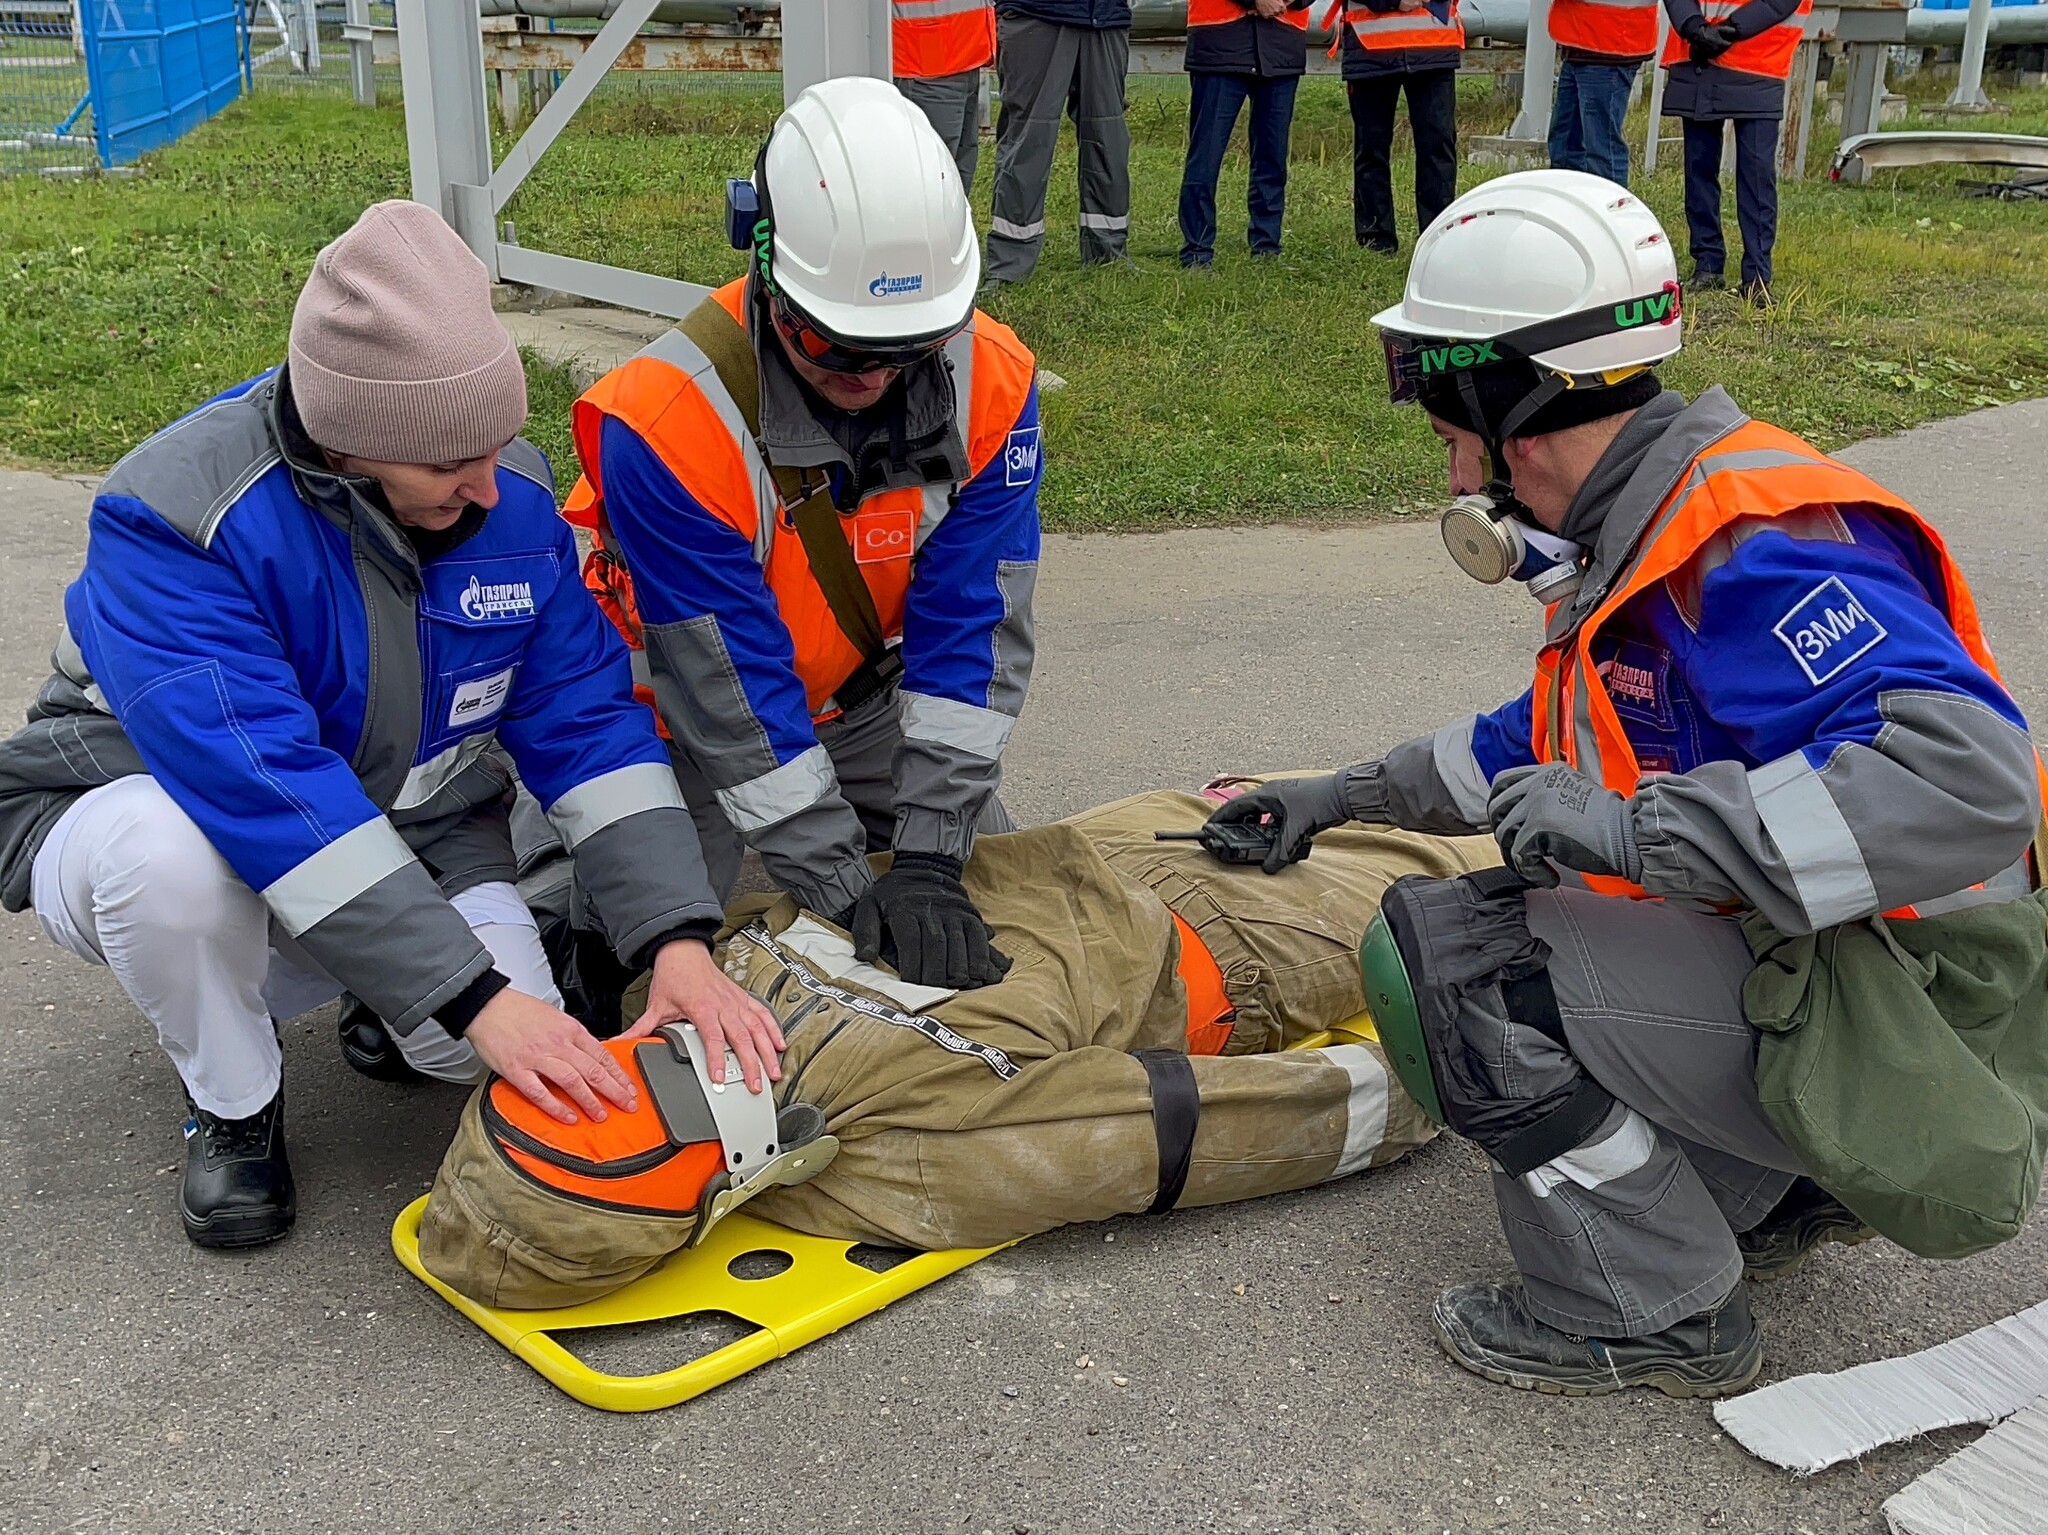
(1491, 544)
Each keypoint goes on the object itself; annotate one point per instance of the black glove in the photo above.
(1710, 41)
(1295, 809)
(1552, 813)
(919, 919)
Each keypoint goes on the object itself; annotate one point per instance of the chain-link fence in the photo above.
(45, 106)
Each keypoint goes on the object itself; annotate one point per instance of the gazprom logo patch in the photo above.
(509, 599)
(1827, 629)
(1020, 456)
(886, 286)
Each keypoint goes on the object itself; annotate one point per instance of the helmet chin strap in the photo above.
(1501, 482)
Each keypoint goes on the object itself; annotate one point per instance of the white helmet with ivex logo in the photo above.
(873, 237)
(1541, 246)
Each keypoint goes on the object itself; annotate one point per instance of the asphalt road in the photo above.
(316, 1386)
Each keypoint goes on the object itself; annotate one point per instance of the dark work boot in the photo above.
(1705, 280)
(1489, 1330)
(238, 1182)
(368, 1046)
(1807, 1217)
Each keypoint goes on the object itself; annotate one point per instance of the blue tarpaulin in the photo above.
(158, 69)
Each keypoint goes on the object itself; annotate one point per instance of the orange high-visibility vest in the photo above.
(696, 430)
(1377, 32)
(1625, 29)
(931, 38)
(1769, 53)
(1755, 471)
(1217, 13)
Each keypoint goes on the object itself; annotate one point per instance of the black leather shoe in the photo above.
(238, 1188)
(1807, 1217)
(1489, 1330)
(1705, 282)
(368, 1046)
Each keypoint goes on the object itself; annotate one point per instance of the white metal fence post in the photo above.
(1539, 75)
(447, 117)
(1969, 91)
(823, 39)
(1653, 136)
(362, 56)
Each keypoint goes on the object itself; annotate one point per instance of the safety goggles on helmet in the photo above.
(1416, 363)
(836, 354)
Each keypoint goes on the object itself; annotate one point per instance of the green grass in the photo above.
(1253, 392)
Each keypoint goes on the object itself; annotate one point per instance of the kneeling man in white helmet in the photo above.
(814, 506)
(1765, 966)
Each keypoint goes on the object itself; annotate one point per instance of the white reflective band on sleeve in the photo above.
(305, 896)
(1365, 1110)
(779, 793)
(593, 805)
(832, 952)
(1459, 769)
(1827, 866)
(1105, 221)
(1628, 1148)
(965, 727)
(1010, 231)
(432, 776)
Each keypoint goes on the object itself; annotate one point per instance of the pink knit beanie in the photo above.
(395, 353)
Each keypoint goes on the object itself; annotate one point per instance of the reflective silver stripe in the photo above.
(598, 802)
(2010, 884)
(921, 10)
(1010, 231)
(1631, 1145)
(1105, 221)
(779, 793)
(305, 896)
(435, 774)
(1585, 743)
(1623, 5)
(1451, 750)
(1827, 866)
(1365, 1106)
(643, 669)
(686, 357)
(964, 727)
(938, 501)
(1721, 10)
(1395, 22)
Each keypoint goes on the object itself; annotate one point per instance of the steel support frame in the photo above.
(448, 136)
(1539, 77)
(1969, 91)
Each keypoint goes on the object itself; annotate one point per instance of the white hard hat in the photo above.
(873, 238)
(1577, 251)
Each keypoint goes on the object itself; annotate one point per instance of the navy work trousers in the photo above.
(1586, 116)
(1433, 118)
(1214, 102)
(1756, 194)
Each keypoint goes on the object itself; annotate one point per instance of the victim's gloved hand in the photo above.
(919, 919)
(1552, 813)
(1299, 809)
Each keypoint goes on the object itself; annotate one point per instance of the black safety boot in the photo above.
(1703, 281)
(1488, 1329)
(368, 1046)
(238, 1182)
(1804, 1219)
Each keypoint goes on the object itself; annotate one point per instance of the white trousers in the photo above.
(125, 879)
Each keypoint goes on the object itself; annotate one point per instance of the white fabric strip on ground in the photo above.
(1365, 1110)
(1811, 1422)
(1998, 1486)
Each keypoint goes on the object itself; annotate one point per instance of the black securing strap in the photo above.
(1493, 884)
(1176, 1109)
(1532, 1001)
(1563, 1129)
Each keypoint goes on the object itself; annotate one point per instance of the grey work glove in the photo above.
(1298, 810)
(1554, 814)
(920, 919)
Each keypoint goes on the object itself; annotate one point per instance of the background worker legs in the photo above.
(862, 747)
(126, 879)
(952, 104)
(1586, 118)
(1213, 104)
(1596, 1049)
(1756, 195)
(1433, 120)
(1047, 69)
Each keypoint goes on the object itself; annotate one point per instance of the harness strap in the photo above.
(1176, 1110)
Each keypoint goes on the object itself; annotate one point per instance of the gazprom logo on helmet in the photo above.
(886, 286)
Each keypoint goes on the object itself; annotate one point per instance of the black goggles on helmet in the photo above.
(1417, 363)
(836, 354)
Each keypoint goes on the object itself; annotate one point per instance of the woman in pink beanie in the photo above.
(322, 620)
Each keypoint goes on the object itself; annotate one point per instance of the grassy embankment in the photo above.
(1252, 392)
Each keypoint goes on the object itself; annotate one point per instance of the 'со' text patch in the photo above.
(1827, 629)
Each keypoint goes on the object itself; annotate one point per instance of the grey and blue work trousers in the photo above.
(952, 105)
(862, 745)
(1047, 70)
(1596, 1049)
